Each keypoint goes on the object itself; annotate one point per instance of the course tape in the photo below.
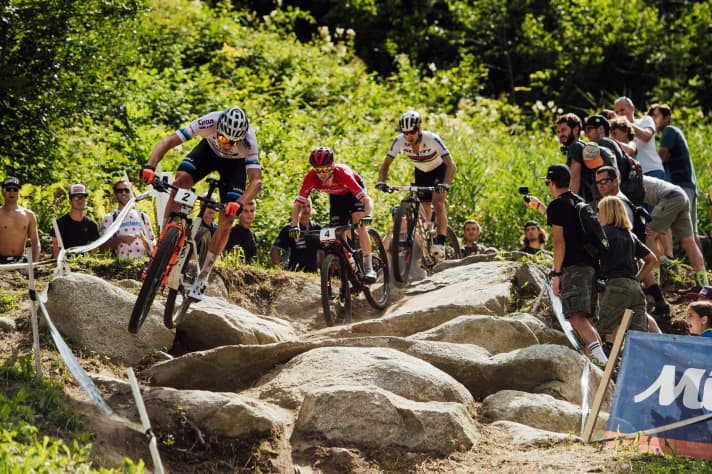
(83, 379)
(23, 265)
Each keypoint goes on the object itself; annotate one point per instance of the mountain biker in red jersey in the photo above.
(347, 196)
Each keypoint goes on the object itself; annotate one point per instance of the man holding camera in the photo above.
(573, 277)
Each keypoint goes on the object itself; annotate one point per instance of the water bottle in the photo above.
(351, 260)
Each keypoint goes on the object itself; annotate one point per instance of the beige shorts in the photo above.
(672, 213)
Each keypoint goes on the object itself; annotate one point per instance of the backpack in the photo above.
(595, 241)
(631, 182)
(640, 218)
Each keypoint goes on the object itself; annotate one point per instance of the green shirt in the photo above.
(678, 169)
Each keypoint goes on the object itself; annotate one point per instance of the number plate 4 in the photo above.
(328, 234)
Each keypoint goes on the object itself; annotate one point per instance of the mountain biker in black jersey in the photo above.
(229, 146)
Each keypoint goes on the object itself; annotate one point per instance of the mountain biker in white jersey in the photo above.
(433, 167)
(228, 146)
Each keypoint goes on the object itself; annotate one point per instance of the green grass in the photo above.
(38, 433)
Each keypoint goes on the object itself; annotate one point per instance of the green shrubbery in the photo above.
(181, 59)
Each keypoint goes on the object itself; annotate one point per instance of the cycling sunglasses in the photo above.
(225, 140)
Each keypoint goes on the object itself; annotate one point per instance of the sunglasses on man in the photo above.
(11, 189)
(226, 141)
(121, 190)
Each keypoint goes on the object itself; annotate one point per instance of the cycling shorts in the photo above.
(202, 161)
(343, 205)
(431, 178)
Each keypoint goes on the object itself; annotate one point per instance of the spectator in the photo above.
(608, 185)
(673, 213)
(304, 254)
(205, 233)
(619, 269)
(471, 235)
(675, 155)
(207, 221)
(416, 271)
(568, 128)
(705, 294)
(622, 132)
(533, 239)
(644, 138)
(135, 236)
(16, 225)
(242, 237)
(609, 114)
(74, 227)
(699, 319)
(574, 269)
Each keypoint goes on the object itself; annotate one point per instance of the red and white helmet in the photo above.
(322, 156)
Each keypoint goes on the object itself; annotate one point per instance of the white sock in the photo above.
(210, 259)
(368, 262)
(597, 352)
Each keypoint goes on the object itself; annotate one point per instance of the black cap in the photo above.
(10, 181)
(557, 171)
(532, 223)
(597, 121)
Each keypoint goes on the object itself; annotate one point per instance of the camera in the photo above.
(524, 191)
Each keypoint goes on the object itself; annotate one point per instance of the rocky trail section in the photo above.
(446, 359)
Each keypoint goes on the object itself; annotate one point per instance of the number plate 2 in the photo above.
(186, 197)
(328, 234)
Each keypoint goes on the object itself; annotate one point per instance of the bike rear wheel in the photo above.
(402, 251)
(335, 290)
(452, 245)
(154, 276)
(377, 293)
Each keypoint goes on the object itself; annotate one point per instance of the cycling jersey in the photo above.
(207, 127)
(345, 181)
(431, 151)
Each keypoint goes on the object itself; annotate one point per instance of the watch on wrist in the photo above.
(554, 274)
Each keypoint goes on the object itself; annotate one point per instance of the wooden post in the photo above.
(600, 392)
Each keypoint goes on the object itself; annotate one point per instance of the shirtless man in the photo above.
(16, 224)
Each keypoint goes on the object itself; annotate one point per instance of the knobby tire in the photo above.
(377, 293)
(331, 289)
(154, 276)
(401, 269)
(171, 319)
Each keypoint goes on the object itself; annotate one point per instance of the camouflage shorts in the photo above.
(577, 290)
(622, 293)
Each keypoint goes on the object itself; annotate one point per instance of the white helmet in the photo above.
(409, 121)
(233, 124)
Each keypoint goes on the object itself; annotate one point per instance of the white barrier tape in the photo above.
(146, 424)
(82, 378)
(144, 232)
(23, 265)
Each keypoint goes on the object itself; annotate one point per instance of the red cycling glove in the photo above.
(233, 208)
(148, 173)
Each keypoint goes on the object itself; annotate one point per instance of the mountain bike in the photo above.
(417, 226)
(342, 271)
(168, 267)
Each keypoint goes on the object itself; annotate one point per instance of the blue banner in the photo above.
(665, 379)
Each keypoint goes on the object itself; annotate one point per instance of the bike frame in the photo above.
(423, 227)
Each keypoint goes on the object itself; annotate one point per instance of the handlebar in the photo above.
(412, 189)
(164, 186)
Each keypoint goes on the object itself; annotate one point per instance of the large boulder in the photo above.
(493, 333)
(298, 301)
(214, 322)
(215, 414)
(382, 368)
(537, 410)
(526, 436)
(531, 278)
(377, 418)
(482, 288)
(95, 314)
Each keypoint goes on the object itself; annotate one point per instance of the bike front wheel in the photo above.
(172, 319)
(154, 276)
(377, 293)
(452, 245)
(402, 241)
(335, 290)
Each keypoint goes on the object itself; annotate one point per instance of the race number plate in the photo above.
(186, 197)
(328, 234)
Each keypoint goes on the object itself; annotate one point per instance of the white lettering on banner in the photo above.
(689, 386)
